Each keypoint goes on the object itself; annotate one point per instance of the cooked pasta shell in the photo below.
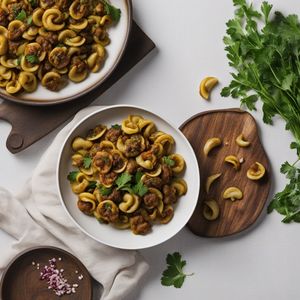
(180, 186)
(77, 10)
(53, 19)
(80, 184)
(106, 146)
(15, 30)
(155, 172)
(28, 81)
(179, 163)
(8, 62)
(3, 31)
(81, 143)
(28, 67)
(79, 25)
(122, 222)
(119, 162)
(108, 211)
(77, 74)
(211, 210)
(130, 203)
(167, 214)
(13, 86)
(3, 45)
(108, 179)
(146, 160)
(59, 58)
(96, 133)
(130, 127)
(37, 17)
(87, 203)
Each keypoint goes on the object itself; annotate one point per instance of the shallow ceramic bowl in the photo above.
(118, 34)
(107, 234)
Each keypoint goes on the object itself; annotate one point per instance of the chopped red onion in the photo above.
(56, 280)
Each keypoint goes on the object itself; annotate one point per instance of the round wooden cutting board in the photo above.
(227, 125)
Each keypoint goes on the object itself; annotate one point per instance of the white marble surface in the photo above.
(262, 263)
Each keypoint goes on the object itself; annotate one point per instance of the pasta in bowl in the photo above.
(52, 51)
(132, 185)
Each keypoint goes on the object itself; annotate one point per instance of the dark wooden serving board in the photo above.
(21, 279)
(240, 214)
(30, 123)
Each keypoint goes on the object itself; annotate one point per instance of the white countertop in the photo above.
(261, 263)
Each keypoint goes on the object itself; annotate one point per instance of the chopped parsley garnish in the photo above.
(123, 181)
(29, 20)
(72, 176)
(104, 191)
(21, 15)
(112, 11)
(168, 161)
(116, 126)
(32, 58)
(87, 161)
(92, 185)
(33, 3)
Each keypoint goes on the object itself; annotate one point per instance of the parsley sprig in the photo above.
(174, 274)
(267, 64)
(87, 161)
(112, 11)
(72, 176)
(124, 183)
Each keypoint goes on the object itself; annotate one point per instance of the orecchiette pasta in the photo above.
(127, 175)
(53, 40)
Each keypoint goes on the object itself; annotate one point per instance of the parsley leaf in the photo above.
(32, 58)
(174, 274)
(92, 185)
(104, 191)
(72, 176)
(266, 60)
(21, 15)
(112, 11)
(123, 180)
(87, 161)
(116, 126)
(33, 3)
(29, 20)
(168, 161)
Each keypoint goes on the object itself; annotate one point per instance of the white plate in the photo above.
(107, 234)
(118, 35)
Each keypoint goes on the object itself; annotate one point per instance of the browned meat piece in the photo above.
(132, 166)
(108, 179)
(155, 182)
(44, 42)
(139, 225)
(109, 214)
(3, 17)
(151, 200)
(112, 134)
(13, 47)
(169, 194)
(166, 174)
(85, 207)
(114, 196)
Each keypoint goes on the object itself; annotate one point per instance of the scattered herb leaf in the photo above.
(32, 58)
(104, 191)
(33, 3)
(29, 20)
(87, 161)
(72, 176)
(112, 11)
(116, 126)
(92, 185)
(168, 161)
(174, 274)
(267, 64)
(21, 15)
(123, 180)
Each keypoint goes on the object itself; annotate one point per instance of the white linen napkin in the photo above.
(35, 217)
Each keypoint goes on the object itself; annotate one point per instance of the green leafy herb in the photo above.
(19, 60)
(116, 126)
(123, 181)
(107, 206)
(33, 3)
(92, 185)
(72, 176)
(104, 191)
(112, 11)
(32, 58)
(168, 161)
(29, 20)
(21, 15)
(267, 64)
(174, 274)
(87, 161)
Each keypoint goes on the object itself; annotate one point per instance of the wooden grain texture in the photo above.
(31, 123)
(21, 280)
(240, 214)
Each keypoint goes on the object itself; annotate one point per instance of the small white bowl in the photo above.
(118, 35)
(107, 234)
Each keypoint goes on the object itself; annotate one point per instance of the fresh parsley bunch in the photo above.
(267, 64)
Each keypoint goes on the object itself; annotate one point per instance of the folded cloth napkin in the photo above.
(35, 217)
